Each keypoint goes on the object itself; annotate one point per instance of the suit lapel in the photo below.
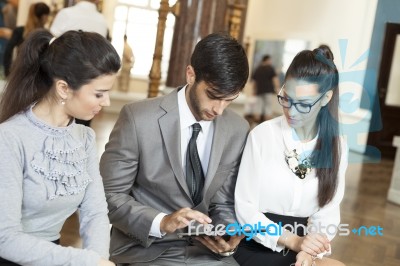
(216, 152)
(171, 134)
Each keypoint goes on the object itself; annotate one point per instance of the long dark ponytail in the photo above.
(317, 66)
(26, 83)
(76, 57)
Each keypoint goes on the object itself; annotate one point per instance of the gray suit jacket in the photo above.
(143, 175)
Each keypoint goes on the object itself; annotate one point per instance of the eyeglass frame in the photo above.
(292, 103)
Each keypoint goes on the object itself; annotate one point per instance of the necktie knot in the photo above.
(196, 130)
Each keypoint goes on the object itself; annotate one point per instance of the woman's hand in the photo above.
(104, 262)
(315, 244)
(304, 259)
(312, 243)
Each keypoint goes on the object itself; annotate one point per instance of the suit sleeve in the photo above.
(119, 166)
(222, 206)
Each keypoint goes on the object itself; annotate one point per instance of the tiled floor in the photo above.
(364, 204)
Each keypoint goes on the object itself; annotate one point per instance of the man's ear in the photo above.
(190, 75)
(327, 98)
(62, 89)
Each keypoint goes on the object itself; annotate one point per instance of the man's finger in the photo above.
(198, 216)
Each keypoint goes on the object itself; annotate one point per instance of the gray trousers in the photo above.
(187, 255)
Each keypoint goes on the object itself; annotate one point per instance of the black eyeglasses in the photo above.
(303, 108)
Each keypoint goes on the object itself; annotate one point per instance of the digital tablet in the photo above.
(224, 233)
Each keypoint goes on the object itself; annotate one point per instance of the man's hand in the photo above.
(217, 244)
(181, 218)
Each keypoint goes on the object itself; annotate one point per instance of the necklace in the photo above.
(299, 167)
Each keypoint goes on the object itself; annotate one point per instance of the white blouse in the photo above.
(266, 184)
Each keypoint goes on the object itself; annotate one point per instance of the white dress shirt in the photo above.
(82, 16)
(204, 140)
(266, 184)
(204, 143)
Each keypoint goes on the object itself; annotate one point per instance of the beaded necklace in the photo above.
(300, 167)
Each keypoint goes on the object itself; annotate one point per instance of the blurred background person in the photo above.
(37, 18)
(265, 85)
(10, 11)
(82, 16)
(5, 34)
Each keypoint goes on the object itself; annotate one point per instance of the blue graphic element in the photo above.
(363, 57)
(343, 50)
(249, 230)
(368, 231)
(349, 102)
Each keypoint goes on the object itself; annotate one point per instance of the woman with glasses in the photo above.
(291, 176)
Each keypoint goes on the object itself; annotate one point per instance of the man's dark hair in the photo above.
(220, 61)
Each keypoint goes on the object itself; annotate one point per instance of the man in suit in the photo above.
(174, 159)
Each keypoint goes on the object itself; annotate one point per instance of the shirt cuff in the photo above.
(155, 226)
(269, 241)
(279, 248)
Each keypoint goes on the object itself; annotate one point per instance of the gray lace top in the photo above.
(46, 174)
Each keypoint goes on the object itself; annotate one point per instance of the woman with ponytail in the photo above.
(292, 171)
(48, 164)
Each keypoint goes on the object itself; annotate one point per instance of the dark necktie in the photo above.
(194, 171)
